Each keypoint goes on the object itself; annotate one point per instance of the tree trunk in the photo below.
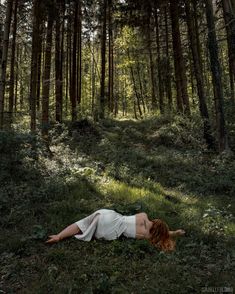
(191, 73)
(216, 77)
(62, 63)
(34, 61)
(124, 102)
(180, 71)
(110, 12)
(159, 63)
(21, 82)
(39, 66)
(17, 77)
(59, 61)
(229, 17)
(135, 113)
(103, 63)
(79, 62)
(141, 87)
(137, 100)
(93, 80)
(67, 78)
(58, 98)
(73, 84)
(69, 59)
(12, 74)
(168, 69)
(151, 63)
(117, 92)
(46, 78)
(192, 32)
(3, 67)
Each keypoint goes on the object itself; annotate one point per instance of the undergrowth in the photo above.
(159, 165)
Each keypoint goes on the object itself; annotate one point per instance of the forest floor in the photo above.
(157, 165)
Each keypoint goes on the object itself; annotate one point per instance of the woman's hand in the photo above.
(53, 239)
(180, 232)
(70, 231)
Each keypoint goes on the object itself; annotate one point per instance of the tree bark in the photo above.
(69, 59)
(180, 71)
(151, 64)
(16, 77)
(168, 69)
(39, 65)
(79, 61)
(21, 82)
(93, 80)
(12, 74)
(34, 63)
(216, 77)
(3, 67)
(159, 64)
(110, 12)
(73, 84)
(59, 60)
(141, 86)
(137, 99)
(46, 78)
(192, 32)
(103, 62)
(229, 17)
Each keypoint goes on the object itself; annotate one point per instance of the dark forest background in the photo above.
(63, 60)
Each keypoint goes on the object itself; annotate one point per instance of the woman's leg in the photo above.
(69, 231)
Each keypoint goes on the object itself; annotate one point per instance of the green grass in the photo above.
(156, 166)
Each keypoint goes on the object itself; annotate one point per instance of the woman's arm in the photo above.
(67, 232)
(176, 233)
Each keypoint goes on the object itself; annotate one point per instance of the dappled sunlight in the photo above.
(192, 212)
(129, 177)
(125, 193)
(121, 105)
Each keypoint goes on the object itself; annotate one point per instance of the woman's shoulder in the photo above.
(142, 215)
(104, 210)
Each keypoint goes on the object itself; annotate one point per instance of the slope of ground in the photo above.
(158, 166)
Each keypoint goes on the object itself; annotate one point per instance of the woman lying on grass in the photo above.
(109, 225)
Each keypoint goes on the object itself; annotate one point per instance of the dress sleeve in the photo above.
(88, 226)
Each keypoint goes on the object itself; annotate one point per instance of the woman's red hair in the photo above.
(160, 237)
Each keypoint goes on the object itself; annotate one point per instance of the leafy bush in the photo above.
(181, 132)
(18, 152)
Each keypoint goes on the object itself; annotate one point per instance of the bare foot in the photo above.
(53, 239)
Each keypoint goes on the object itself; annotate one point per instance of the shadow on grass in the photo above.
(130, 154)
(140, 183)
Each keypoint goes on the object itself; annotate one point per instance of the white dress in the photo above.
(106, 224)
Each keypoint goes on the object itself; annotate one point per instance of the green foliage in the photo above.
(39, 233)
(121, 165)
(214, 220)
(180, 132)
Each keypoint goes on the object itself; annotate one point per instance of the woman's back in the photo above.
(143, 225)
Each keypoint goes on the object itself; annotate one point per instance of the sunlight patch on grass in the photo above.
(183, 198)
(191, 213)
(123, 192)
